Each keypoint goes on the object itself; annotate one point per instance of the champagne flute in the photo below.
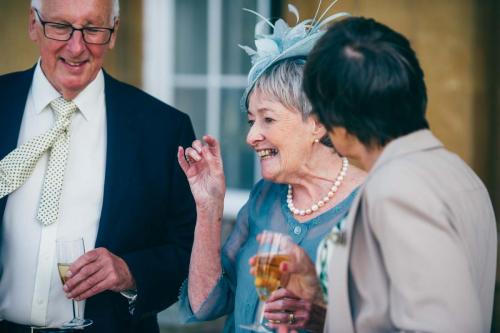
(273, 250)
(68, 250)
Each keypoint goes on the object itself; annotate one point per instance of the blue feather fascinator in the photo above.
(285, 42)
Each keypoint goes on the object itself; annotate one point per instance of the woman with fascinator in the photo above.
(305, 191)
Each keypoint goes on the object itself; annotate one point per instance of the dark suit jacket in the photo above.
(148, 212)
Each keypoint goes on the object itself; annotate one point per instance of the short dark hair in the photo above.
(365, 77)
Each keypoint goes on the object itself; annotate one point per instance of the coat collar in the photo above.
(14, 90)
(416, 141)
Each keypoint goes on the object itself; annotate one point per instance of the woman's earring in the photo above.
(316, 140)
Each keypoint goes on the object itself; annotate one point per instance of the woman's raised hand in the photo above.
(202, 164)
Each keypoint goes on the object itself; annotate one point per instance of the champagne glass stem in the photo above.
(271, 252)
(257, 325)
(259, 316)
(69, 250)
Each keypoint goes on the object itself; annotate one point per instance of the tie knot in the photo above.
(62, 107)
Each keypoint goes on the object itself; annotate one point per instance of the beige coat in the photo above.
(420, 245)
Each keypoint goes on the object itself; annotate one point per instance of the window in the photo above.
(192, 61)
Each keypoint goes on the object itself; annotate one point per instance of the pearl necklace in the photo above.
(326, 198)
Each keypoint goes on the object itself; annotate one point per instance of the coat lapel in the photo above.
(13, 95)
(121, 146)
(339, 316)
(14, 90)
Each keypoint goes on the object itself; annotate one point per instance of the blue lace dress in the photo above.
(234, 294)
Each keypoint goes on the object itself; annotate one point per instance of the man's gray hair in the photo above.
(283, 82)
(116, 7)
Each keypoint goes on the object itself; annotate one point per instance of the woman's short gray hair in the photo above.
(283, 82)
(116, 7)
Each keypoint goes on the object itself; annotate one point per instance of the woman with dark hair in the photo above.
(417, 251)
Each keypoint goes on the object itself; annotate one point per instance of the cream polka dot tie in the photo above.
(17, 166)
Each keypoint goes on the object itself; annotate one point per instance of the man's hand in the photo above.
(96, 271)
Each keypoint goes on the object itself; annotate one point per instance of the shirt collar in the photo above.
(43, 92)
(86, 101)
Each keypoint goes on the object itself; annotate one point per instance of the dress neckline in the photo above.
(339, 209)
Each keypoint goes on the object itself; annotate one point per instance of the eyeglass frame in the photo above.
(73, 29)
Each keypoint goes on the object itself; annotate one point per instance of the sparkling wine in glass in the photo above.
(68, 250)
(273, 250)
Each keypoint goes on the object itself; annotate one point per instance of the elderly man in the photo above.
(95, 159)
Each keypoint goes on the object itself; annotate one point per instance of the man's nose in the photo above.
(76, 43)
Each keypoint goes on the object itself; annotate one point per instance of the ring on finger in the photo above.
(274, 321)
(189, 159)
(291, 318)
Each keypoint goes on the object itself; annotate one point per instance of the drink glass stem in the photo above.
(260, 313)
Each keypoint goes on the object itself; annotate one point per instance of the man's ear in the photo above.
(112, 42)
(32, 26)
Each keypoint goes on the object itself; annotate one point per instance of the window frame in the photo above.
(160, 80)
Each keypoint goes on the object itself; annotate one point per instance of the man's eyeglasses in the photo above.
(63, 32)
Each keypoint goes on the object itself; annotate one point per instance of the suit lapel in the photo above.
(13, 97)
(14, 90)
(120, 153)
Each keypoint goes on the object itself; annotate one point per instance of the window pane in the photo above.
(238, 27)
(193, 102)
(237, 156)
(191, 43)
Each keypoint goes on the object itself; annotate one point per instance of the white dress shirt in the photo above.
(30, 288)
